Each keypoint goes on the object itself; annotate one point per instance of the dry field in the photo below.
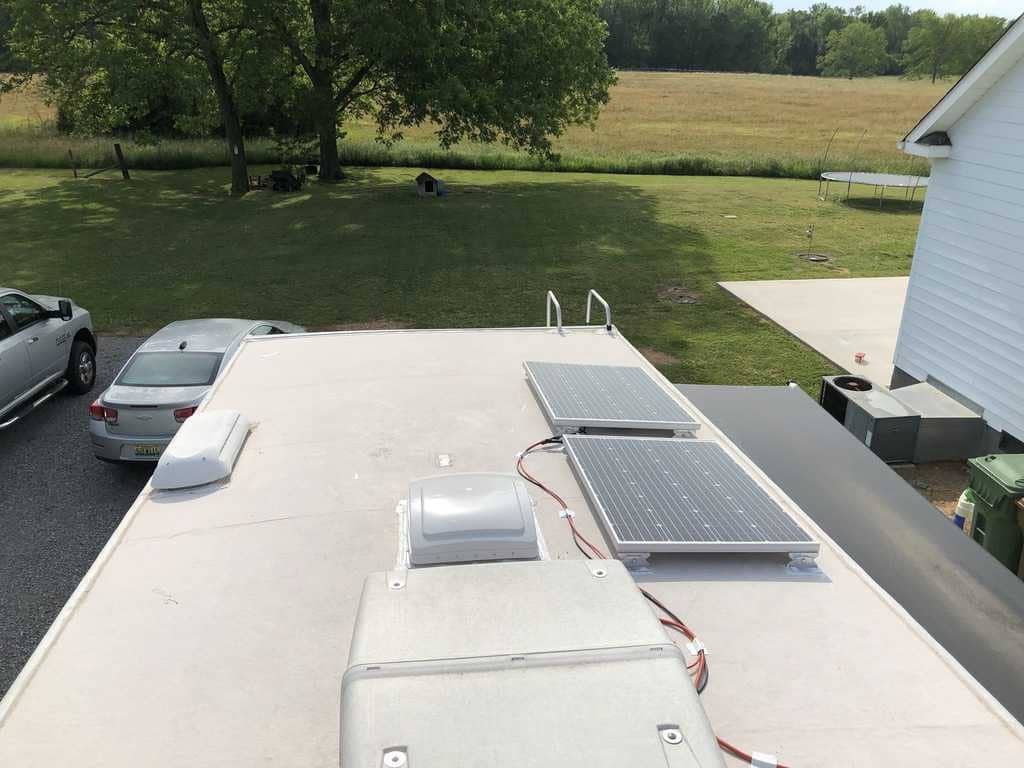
(655, 122)
(725, 116)
(23, 109)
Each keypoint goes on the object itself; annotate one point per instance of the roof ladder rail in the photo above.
(591, 295)
(558, 311)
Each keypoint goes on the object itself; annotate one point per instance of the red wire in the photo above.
(697, 666)
(729, 749)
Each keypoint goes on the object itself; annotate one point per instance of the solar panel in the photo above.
(672, 495)
(610, 396)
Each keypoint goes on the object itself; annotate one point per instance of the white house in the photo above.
(963, 321)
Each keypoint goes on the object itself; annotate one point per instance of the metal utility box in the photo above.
(872, 415)
(948, 429)
(549, 662)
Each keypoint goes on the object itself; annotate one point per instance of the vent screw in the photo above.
(394, 759)
(672, 736)
(600, 573)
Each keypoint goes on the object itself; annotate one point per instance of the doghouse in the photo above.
(428, 186)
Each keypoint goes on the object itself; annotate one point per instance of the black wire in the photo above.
(576, 541)
(704, 677)
(662, 606)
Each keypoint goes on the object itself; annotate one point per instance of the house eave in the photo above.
(924, 150)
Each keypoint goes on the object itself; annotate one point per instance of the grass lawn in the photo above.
(656, 122)
(171, 245)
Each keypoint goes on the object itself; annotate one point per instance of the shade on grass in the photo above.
(171, 245)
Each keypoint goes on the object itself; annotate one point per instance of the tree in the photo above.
(799, 38)
(858, 50)
(7, 62)
(931, 47)
(106, 60)
(948, 45)
(977, 34)
(895, 21)
(515, 71)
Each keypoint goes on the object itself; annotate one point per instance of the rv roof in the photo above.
(214, 629)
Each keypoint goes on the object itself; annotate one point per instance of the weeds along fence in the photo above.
(24, 148)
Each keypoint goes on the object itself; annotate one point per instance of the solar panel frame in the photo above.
(574, 396)
(725, 495)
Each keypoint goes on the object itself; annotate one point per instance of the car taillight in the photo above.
(99, 412)
(183, 413)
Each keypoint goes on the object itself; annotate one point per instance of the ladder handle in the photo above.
(607, 310)
(558, 310)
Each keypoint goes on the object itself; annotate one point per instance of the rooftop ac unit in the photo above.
(872, 415)
(544, 663)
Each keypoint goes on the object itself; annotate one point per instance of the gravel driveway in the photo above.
(58, 507)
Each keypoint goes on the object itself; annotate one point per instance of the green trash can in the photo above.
(998, 481)
(1020, 522)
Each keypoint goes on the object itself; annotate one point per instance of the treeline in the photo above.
(748, 36)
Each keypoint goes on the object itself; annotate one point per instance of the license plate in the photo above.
(148, 450)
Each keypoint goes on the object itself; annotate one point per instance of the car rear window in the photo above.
(170, 369)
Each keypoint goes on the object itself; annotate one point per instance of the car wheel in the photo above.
(81, 368)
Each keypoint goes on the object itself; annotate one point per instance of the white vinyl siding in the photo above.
(963, 322)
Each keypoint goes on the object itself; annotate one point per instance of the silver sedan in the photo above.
(163, 382)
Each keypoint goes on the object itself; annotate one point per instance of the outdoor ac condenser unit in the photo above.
(872, 415)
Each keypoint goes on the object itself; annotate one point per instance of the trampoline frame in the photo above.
(909, 194)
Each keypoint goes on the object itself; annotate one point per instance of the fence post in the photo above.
(121, 162)
(74, 169)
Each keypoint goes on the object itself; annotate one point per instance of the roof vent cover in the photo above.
(470, 517)
(204, 450)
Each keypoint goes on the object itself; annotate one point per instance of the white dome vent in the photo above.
(471, 517)
(204, 450)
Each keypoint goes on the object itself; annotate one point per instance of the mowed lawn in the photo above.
(171, 245)
(655, 122)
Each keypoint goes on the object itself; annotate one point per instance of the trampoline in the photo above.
(880, 181)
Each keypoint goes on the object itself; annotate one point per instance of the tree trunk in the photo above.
(228, 108)
(324, 110)
(326, 119)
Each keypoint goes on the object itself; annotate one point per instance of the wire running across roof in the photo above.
(609, 396)
(680, 495)
(897, 180)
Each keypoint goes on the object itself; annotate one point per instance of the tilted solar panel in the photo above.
(609, 396)
(677, 495)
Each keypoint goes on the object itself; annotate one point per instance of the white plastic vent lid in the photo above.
(517, 665)
(204, 450)
(470, 517)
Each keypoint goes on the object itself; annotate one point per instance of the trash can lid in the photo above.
(1007, 469)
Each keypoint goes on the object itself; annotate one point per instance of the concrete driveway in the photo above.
(837, 317)
(58, 507)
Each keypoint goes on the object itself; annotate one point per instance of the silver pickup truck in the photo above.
(46, 344)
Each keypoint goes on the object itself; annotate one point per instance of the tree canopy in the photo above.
(512, 71)
(857, 50)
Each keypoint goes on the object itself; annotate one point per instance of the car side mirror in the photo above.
(65, 309)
